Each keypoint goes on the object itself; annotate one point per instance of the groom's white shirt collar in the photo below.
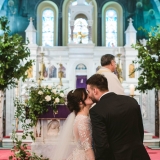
(99, 99)
(103, 95)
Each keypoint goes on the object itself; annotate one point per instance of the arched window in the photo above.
(66, 20)
(47, 24)
(111, 28)
(112, 24)
(47, 27)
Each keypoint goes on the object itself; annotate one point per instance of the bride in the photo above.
(77, 128)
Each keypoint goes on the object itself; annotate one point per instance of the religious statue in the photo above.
(80, 36)
(30, 72)
(52, 72)
(53, 128)
(45, 71)
(131, 71)
(60, 74)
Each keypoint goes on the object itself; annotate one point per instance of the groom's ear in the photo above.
(95, 91)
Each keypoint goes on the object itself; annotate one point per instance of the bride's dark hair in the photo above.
(74, 97)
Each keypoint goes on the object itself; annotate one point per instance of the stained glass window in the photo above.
(111, 28)
(47, 27)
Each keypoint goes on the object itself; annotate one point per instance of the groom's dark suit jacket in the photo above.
(117, 129)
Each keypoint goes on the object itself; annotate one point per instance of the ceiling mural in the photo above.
(145, 13)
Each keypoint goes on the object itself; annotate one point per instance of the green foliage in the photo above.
(42, 96)
(14, 56)
(39, 97)
(20, 149)
(149, 61)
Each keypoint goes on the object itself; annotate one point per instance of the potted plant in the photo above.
(149, 65)
(14, 62)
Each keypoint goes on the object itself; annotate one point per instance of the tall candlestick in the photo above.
(42, 65)
(42, 69)
(132, 89)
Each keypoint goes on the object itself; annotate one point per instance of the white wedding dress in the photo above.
(83, 138)
(75, 140)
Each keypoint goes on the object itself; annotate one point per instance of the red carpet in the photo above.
(154, 154)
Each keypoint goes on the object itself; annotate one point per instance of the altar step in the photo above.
(148, 140)
(7, 142)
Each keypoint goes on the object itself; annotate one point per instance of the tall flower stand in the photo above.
(47, 130)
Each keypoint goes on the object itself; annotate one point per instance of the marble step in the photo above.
(148, 136)
(7, 142)
(19, 136)
(152, 142)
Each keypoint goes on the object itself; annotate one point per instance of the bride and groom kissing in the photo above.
(112, 129)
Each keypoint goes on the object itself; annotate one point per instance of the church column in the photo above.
(90, 22)
(72, 28)
(60, 29)
(99, 31)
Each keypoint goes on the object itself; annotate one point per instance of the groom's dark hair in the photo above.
(99, 81)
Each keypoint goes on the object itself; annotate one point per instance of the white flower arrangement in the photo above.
(42, 96)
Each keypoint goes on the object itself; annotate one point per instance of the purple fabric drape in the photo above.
(81, 81)
(63, 112)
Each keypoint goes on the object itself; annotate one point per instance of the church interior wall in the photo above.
(70, 55)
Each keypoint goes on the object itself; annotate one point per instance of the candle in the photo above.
(132, 89)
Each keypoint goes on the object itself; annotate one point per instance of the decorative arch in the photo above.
(118, 8)
(65, 8)
(79, 13)
(81, 66)
(41, 7)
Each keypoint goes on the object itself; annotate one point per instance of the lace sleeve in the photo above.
(85, 132)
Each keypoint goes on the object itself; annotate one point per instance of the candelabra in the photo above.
(60, 74)
(119, 68)
(41, 77)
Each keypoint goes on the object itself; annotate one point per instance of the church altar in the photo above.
(47, 130)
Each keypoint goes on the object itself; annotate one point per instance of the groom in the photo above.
(117, 126)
